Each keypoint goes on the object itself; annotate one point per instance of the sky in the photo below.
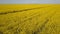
(29, 1)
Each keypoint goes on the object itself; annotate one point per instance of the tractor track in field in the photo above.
(3, 13)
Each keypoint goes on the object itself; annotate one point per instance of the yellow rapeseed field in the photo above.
(29, 18)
